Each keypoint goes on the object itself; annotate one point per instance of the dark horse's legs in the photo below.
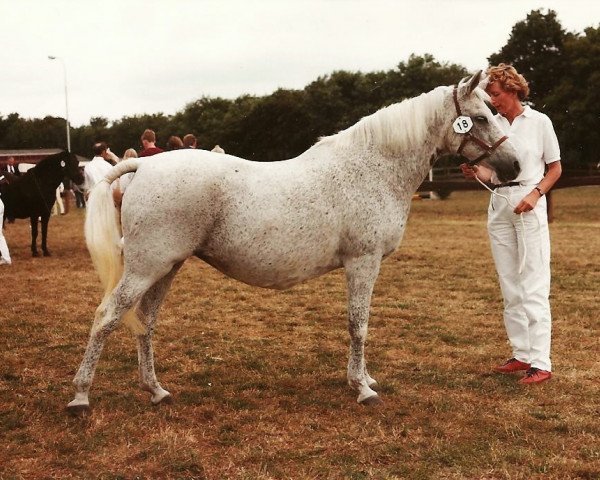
(45, 220)
(34, 233)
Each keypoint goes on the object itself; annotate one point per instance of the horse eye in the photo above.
(480, 118)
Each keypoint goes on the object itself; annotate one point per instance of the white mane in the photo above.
(397, 127)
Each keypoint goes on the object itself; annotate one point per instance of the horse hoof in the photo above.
(47, 254)
(80, 410)
(35, 254)
(371, 401)
(166, 400)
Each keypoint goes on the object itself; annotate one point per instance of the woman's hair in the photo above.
(509, 80)
(130, 153)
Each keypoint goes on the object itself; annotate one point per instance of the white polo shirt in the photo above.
(533, 136)
(95, 171)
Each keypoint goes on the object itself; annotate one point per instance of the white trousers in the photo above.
(59, 206)
(526, 295)
(3, 246)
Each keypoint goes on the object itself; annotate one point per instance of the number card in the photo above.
(462, 124)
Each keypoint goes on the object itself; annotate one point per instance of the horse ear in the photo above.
(474, 82)
(467, 85)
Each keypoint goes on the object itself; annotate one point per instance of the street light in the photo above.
(50, 57)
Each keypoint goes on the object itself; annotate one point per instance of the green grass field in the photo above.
(259, 377)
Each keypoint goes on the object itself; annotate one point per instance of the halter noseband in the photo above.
(469, 137)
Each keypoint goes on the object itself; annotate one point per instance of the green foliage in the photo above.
(273, 127)
(48, 132)
(536, 49)
(574, 104)
(126, 132)
(560, 66)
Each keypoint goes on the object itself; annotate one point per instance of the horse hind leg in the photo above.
(45, 221)
(361, 274)
(123, 297)
(34, 234)
(148, 308)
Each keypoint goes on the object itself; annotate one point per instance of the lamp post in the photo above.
(50, 57)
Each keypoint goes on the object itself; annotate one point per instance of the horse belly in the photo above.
(273, 264)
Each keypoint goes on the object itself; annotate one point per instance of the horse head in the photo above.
(70, 167)
(476, 135)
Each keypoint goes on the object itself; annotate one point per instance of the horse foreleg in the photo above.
(361, 274)
(45, 220)
(33, 220)
(149, 306)
(124, 297)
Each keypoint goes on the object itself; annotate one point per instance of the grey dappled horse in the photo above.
(342, 203)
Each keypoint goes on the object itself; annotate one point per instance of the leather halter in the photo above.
(469, 137)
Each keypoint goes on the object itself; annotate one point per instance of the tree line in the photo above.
(562, 68)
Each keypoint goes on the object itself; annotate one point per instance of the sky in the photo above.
(131, 57)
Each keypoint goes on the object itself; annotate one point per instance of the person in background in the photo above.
(111, 158)
(130, 153)
(120, 184)
(149, 144)
(100, 165)
(11, 167)
(189, 141)
(67, 193)
(59, 206)
(518, 225)
(78, 191)
(174, 143)
(4, 252)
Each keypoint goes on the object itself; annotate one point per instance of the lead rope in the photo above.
(493, 192)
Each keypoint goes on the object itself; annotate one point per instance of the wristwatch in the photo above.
(539, 191)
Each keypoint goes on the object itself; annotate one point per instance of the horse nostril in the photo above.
(517, 166)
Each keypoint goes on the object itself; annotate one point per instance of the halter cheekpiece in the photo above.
(463, 125)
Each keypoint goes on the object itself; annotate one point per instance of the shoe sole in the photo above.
(510, 371)
(534, 382)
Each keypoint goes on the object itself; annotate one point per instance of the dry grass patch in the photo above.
(259, 376)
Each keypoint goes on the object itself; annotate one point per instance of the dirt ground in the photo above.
(258, 376)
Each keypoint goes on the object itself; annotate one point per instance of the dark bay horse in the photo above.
(33, 194)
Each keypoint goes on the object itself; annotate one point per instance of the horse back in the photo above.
(270, 225)
(24, 198)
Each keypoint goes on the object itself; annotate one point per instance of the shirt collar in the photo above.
(526, 111)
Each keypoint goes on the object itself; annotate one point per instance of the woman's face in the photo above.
(502, 100)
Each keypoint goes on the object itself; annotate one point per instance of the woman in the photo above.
(4, 253)
(518, 225)
(121, 183)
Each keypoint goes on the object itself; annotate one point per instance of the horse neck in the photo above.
(48, 172)
(412, 135)
(413, 129)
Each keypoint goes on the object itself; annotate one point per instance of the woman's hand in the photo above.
(476, 171)
(528, 203)
(469, 171)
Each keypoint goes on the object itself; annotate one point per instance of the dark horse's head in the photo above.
(70, 166)
(54, 168)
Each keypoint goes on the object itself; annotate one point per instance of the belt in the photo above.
(508, 184)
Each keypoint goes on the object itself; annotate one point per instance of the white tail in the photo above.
(103, 238)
